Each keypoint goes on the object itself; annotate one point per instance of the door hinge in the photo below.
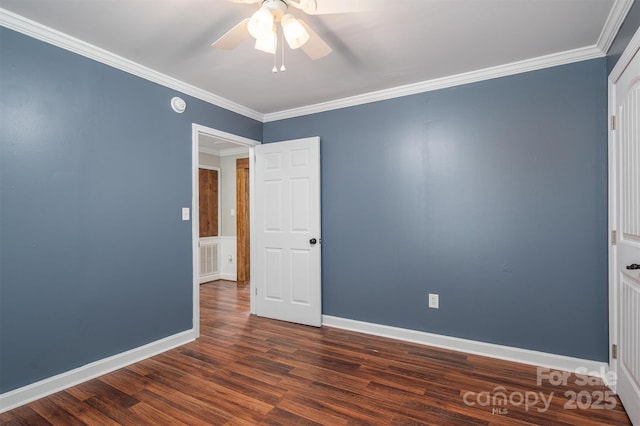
(255, 290)
(613, 122)
(614, 238)
(614, 351)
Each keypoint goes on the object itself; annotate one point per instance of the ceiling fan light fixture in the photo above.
(268, 44)
(295, 34)
(260, 25)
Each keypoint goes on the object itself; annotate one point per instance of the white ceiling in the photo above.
(395, 43)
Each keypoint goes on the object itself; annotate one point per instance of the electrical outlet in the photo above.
(434, 301)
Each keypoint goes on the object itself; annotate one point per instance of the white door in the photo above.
(285, 246)
(627, 248)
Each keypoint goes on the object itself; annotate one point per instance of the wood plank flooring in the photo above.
(246, 370)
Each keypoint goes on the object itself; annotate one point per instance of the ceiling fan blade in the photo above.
(315, 48)
(232, 38)
(308, 6)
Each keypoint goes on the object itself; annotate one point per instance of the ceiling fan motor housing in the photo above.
(277, 8)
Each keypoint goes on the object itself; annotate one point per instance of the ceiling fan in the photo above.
(263, 26)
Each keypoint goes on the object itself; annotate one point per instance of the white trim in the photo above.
(49, 35)
(614, 21)
(225, 152)
(229, 243)
(626, 57)
(542, 62)
(233, 151)
(26, 394)
(612, 214)
(253, 252)
(212, 277)
(209, 151)
(507, 353)
(195, 226)
(227, 137)
(610, 29)
(196, 131)
(229, 277)
(33, 29)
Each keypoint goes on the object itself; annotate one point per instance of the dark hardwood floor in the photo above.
(248, 371)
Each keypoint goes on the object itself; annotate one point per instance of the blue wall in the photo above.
(624, 36)
(491, 194)
(94, 169)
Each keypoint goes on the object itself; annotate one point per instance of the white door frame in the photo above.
(612, 212)
(196, 131)
(614, 76)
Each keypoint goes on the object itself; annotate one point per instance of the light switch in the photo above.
(434, 301)
(185, 213)
(233, 212)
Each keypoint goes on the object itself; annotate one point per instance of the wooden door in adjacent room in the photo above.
(208, 203)
(242, 221)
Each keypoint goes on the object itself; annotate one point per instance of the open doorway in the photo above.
(219, 256)
(209, 206)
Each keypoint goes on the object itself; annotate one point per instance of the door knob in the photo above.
(313, 241)
(633, 266)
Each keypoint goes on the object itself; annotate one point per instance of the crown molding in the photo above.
(198, 129)
(612, 25)
(234, 151)
(33, 29)
(615, 19)
(547, 61)
(209, 151)
(224, 152)
(49, 35)
(629, 52)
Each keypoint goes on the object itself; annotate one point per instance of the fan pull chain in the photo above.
(282, 68)
(275, 50)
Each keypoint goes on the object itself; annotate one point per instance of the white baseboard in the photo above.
(221, 276)
(26, 394)
(507, 353)
(212, 277)
(229, 277)
(29, 393)
(228, 266)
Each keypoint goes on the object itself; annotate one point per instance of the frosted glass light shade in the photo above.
(294, 32)
(261, 24)
(268, 44)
